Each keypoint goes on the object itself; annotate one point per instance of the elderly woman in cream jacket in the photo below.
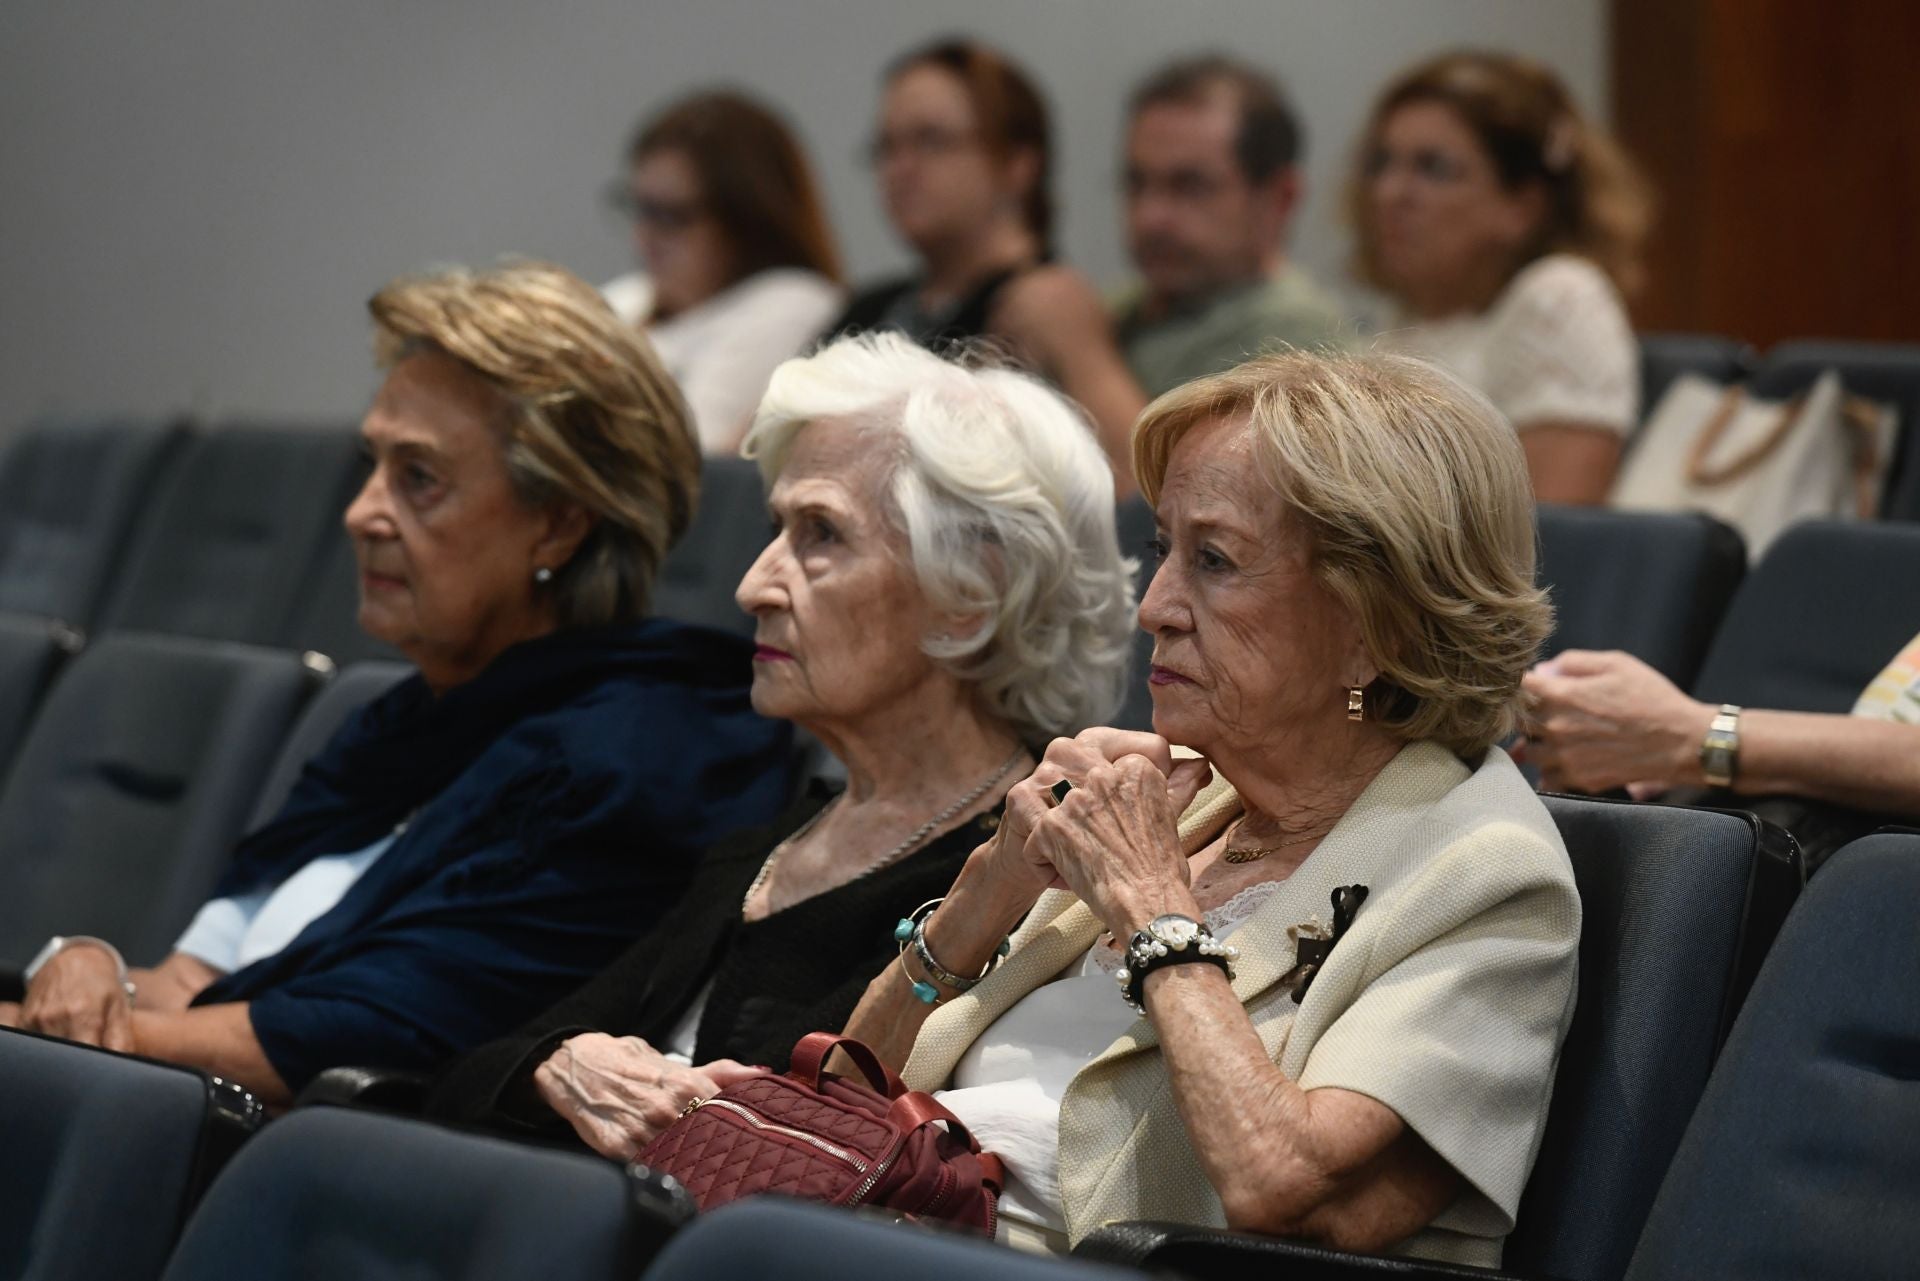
(1302, 960)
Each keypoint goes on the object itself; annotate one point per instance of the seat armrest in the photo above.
(387, 1089)
(1218, 1254)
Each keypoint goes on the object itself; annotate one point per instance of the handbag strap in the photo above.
(810, 1057)
(916, 1108)
(1699, 472)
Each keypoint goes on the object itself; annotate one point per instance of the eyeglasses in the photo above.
(1425, 163)
(667, 216)
(928, 143)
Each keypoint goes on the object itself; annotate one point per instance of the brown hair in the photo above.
(754, 180)
(595, 420)
(1414, 496)
(1599, 206)
(1267, 136)
(1011, 112)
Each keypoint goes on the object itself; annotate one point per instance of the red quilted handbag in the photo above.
(821, 1137)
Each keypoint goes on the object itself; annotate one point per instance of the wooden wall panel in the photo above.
(1784, 137)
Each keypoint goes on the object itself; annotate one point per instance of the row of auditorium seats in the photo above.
(132, 765)
(233, 533)
(1690, 1134)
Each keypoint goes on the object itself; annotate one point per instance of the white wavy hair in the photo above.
(1006, 504)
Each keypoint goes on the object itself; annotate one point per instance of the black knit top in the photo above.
(800, 970)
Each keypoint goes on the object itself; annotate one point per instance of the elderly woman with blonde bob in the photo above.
(1300, 961)
(497, 827)
(943, 594)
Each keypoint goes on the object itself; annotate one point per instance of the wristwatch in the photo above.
(60, 943)
(1720, 750)
(1171, 939)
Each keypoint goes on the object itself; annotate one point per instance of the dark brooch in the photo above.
(1311, 952)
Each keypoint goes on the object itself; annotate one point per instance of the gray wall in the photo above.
(196, 196)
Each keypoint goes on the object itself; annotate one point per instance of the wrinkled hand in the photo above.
(1115, 841)
(1599, 721)
(618, 1093)
(77, 995)
(9, 1014)
(1075, 759)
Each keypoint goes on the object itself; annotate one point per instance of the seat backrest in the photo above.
(127, 795)
(1133, 523)
(351, 689)
(729, 531)
(330, 1192)
(69, 492)
(1825, 610)
(1886, 372)
(1803, 1157)
(767, 1237)
(1665, 940)
(225, 550)
(1664, 357)
(105, 1157)
(31, 651)
(1654, 584)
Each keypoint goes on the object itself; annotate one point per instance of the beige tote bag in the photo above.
(1759, 465)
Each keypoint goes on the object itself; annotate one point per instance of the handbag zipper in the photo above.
(878, 1172)
(748, 1116)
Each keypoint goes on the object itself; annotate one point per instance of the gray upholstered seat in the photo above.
(31, 651)
(104, 1157)
(233, 535)
(1664, 357)
(125, 799)
(728, 533)
(69, 492)
(1803, 1158)
(330, 1193)
(1654, 584)
(1824, 611)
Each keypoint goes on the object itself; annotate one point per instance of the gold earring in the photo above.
(1356, 703)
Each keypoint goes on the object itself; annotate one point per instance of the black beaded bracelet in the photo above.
(1145, 954)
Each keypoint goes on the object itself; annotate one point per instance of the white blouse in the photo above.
(232, 933)
(723, 351)
(1007, 1088)
(1555, 347)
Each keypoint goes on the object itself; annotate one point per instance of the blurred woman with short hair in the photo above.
(740, 266)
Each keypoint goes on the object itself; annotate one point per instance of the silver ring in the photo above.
(1059, 791)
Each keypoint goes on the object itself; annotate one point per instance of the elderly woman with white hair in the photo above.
(942, 595)
(1323, 993)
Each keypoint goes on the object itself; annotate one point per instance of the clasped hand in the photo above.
(1114, 840)
(77, 995)
(619, 1093)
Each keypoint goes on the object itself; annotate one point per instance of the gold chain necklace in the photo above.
(894, 855)
(1254, 853)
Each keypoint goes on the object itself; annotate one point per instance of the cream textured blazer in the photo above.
(1447, 1000)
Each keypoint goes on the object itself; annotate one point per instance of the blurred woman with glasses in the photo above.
(963, 160)
(1506, 228)
(740, 270)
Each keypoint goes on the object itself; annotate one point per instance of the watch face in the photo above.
(1175, 931)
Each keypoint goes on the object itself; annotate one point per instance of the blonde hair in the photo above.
(1413, 493)
(1599, 205)
(595, 419)
(1006, 504)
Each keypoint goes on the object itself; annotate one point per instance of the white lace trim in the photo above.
(1222, 920)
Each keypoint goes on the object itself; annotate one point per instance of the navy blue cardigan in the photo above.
(549, 812)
